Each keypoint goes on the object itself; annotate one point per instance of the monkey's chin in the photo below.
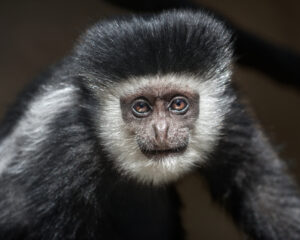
(158, 154)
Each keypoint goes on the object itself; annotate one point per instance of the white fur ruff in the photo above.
(123, 148)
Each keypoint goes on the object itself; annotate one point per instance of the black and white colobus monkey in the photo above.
(91, 149)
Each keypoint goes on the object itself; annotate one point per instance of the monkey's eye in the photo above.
(141, 108)
(179, 105)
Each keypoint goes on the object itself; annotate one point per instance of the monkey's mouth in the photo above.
(163, 153)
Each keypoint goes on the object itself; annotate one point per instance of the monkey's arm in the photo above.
(246, 176)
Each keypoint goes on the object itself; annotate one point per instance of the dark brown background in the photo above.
(34, 34)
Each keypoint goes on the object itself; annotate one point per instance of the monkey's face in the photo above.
(160, 117)
(157, 128)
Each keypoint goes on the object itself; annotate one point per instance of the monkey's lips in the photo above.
(163, 153)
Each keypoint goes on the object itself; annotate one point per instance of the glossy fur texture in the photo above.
(65, 172)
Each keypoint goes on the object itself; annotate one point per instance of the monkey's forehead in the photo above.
(161, 85)
(158, 85)
(171, 42)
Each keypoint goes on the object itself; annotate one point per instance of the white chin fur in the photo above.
(122, 146)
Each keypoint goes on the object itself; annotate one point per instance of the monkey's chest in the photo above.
(144, 216)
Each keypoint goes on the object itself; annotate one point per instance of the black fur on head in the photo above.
(171, 42)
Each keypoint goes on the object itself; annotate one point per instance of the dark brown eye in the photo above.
(141, 108)
(179, 105)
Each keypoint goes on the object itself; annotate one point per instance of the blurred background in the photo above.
(35, 34)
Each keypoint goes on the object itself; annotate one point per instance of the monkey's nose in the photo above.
(161, 129)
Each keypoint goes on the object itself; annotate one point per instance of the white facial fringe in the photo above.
(122, 145)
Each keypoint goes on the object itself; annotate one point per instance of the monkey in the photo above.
(92, 149)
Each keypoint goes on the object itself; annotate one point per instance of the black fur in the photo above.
(246, 176)
(68, 189)
(187, 42)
